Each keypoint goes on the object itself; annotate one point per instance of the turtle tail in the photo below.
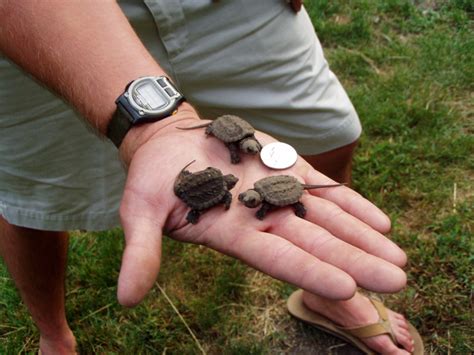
(308, 187)
(179, 178)
(194, 127)
(188, 164)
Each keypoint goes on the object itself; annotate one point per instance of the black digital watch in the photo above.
(147, 99)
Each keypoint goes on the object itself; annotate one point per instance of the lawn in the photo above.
(408, 66)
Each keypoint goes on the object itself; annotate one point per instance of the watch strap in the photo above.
(127, 116)
(119, 125)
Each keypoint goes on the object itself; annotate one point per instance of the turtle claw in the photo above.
(300, 210)
(193, 216)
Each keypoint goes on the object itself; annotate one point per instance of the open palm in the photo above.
(336, 247)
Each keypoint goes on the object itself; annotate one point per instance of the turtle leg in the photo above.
(299, 208)
(263, 210)
(193, 216)
(227, 199)
(234, 152)
(259, 145)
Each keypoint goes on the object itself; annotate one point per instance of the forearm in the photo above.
(85, 51)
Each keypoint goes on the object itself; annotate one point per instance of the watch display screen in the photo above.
(148, 96)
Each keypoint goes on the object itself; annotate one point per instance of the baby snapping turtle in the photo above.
(203, 189)
(277, 191)
(236, 133)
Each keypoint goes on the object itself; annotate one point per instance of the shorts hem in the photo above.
(59, 222)
(346, 133)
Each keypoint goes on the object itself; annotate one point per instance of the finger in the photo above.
(350, 201)
(282, 260)
(368, 271)
(352, 230)
(142, 254)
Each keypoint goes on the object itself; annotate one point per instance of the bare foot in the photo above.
(61, 345)
(359, 311)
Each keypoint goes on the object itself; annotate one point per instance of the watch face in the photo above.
(148, 96)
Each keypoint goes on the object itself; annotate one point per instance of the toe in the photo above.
(405, 341)
(400, 317)
(384, 345)
(402, 323)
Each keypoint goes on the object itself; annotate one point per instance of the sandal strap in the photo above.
(370, 330)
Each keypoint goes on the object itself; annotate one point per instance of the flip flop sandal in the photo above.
(298, 310)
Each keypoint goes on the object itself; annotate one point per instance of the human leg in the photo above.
(36, 261)
(55, 176)
(358, 311)
(337, 163)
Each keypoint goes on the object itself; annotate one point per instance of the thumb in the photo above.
(141, 258)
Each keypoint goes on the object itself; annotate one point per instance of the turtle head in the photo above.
(230, 180)
(250, 198)
(250, 146)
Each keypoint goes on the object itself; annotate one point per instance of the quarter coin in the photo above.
(278, 155)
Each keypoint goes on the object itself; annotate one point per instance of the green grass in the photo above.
(408, 66)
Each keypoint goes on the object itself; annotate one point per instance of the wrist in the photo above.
(146, 99)
(101, 114)
(140, 134)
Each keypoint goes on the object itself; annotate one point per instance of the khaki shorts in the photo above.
(255, 59)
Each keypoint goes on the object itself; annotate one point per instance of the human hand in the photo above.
(338, 245)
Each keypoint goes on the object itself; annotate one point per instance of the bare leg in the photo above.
(37, 260)
(337, 164)
(357, 311)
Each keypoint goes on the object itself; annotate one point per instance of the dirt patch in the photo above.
(269, 319)
(303, 339)
(427, 4)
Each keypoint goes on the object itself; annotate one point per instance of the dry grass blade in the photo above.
(364, 57)
(455, 195)
(95, 312)
(182, 319)
(4, 335)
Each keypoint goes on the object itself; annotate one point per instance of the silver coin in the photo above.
(278, 155)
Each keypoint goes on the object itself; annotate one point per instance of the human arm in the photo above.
(155, 156)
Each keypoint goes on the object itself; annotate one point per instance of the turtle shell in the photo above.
(280, 190)
(202, 189)
(230, 129)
